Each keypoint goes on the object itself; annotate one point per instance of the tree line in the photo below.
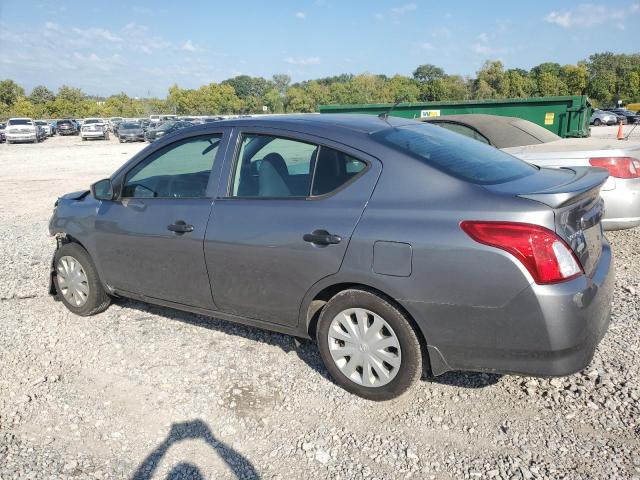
(604, 77)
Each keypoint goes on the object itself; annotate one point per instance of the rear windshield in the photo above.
(535, 130)
(126, 126)
(454, 154)
(92, 120)
(20, 121)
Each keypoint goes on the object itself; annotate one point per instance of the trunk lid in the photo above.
(574, 195)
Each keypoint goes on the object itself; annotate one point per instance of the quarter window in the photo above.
(180, 170)
(333, 170)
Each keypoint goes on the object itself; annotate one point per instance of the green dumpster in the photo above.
(567, 116)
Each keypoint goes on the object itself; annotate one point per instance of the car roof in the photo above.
(501, 131)
(363, 123)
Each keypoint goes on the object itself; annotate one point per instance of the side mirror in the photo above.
(102, 190)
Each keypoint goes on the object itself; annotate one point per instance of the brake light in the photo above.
(619, 167)
(544, 254)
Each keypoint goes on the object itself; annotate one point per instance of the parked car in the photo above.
(166, 128)
(386, 240)
(46, 127)
(22, 130)
(130, 132)
(631, 117)
(66, 127)
(537, 145)
(600, 117)
(113, 124)
(3, 138)
(619, 117)
(94, 128)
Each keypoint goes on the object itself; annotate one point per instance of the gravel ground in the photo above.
(147, 392)
(611, 131)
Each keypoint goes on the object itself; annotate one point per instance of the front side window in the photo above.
(180, 170)
(269, 166)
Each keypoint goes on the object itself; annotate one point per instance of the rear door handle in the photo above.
(180, 227)
(321, 237)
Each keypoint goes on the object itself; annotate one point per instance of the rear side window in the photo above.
(271, 166)
(458, 156)
(275, 167)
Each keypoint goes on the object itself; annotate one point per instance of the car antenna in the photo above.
(385, 115)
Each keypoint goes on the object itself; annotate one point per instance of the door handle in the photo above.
(321, 237)
(180, 227)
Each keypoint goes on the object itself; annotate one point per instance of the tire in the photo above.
(597, 122)
(84, 139)
(363, 304)
(96, 299)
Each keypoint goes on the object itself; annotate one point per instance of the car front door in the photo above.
(150, 239)
(284, 220)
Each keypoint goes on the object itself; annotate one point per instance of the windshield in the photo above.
(92, 120)
(40, 122)
(126, 126)
(166, 126)
(454, 154)
(20, 121)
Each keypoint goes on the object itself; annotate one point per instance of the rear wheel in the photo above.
(76, 281)
(368, 345)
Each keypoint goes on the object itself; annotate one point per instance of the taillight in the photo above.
(544, 254)
(619, 167)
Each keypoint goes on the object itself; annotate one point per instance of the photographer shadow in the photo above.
(241, 467)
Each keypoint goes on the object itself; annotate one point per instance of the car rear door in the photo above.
(150, 240)
(283, 221)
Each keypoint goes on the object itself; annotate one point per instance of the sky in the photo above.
(141, 48)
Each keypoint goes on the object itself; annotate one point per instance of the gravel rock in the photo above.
(142, 391)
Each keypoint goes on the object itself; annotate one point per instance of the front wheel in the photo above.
(76, 281)
(368, 345)
(597, 122)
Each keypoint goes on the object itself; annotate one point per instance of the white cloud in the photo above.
(96, 34)
(482, 46)
(301, 15)
(379, 16)
(589, 15)
(189, 47)
(426, 46)
(302, 61)
(409, 7)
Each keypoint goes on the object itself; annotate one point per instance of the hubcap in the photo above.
(364, 347)
(72, 281)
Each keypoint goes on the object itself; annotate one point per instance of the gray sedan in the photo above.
(130, 132)
(537, 145)
(398, 246)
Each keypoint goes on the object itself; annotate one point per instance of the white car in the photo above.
(46, 127)
(21, 130)
(94, 128)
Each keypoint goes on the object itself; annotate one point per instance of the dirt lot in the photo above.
(148, 392)
(611, 131)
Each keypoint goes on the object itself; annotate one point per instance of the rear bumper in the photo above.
(546, 330)
(21, 137)
(622, 204)
(93, 134)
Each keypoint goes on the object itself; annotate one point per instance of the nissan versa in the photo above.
(393, 243)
